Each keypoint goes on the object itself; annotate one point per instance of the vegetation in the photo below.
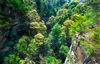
(31, 40)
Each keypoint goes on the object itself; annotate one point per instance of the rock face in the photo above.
(78, 55)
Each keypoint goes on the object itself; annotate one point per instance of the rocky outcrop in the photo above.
(78, 55)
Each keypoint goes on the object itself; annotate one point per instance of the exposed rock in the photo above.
(5, 49)
(2, 42)
(78, 55)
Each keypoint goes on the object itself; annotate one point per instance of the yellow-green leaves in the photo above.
(39, 26)
(38, 39)
(33, 16)
(62, 12)
(51, 20)
(68, 23)
(34, 25)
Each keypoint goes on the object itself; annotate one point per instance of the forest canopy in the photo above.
(42, 31)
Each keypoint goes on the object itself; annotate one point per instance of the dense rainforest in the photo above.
(49, 31)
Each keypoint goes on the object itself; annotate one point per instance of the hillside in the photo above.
(49, 31)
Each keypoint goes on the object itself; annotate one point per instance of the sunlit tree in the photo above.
(38, 39)
(33, 16)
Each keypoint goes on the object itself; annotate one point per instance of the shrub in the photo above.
(21, 46)
(78, 18)
(96, 35)
(64, 50)
(52, 60)
(76, 27)
(12, 59)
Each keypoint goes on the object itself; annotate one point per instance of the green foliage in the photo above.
(33, 16)
(38, 27)
(32, 50)
(75, 10)
(10, 43)
(54, 38)
(95, 2)
(12, 59)
(66, 6)
(62, 12)
(62, 38)
(21, 46)
(78, 18)
(68, 23)
(47, 47)
(38, 39)
(90, 49)
(63, 50)
(88, 24)
(96, 35)
(42, 28)
(27, 2)
(34, 25)
(69, 13)
(16, 3)
(4, 24)
(51, 21)
(52, 60)
(26, 8)
(62, 15)
(73, 4)
(81, 8)
(44, 3)
(56, 30)
(78, 25)
(44, 8)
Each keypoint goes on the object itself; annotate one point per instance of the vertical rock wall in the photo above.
(78, 55)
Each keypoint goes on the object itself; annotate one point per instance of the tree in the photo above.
(62, 15)
(32, 51)
(51, 21)
(42, 28)
(68, 23)
(46, 47)
(12, 59)
(38, 27)
(54, 37)
(21, 46)
(63, 52)
(62, 12)
(38, 39)
(73, 4)
(78, 25)
(62, 38)
(78, 18)
(66, 6)
(33, 16)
